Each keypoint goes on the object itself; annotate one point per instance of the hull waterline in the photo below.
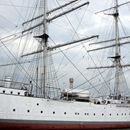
(90, 126)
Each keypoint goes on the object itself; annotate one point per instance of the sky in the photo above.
(81, 23)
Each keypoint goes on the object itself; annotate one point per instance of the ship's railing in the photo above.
(13, 84)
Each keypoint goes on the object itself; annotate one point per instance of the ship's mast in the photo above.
(45, 46)
(117, 58)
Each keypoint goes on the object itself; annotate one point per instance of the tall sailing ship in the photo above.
(37, 102)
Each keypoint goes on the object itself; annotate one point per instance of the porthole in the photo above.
(14, 110)
(53, 112)
(65, 113)
(110, 114)
(37, 104)
(122, 114)
(102, 114)
(28, 110)
(87, 113)
(41, 111)
(94, 114)
(117, 114)
(18, 93)
(76, 113)
(11, 92)
(3, 91)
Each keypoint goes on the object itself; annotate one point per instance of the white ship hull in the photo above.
(19, 111)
